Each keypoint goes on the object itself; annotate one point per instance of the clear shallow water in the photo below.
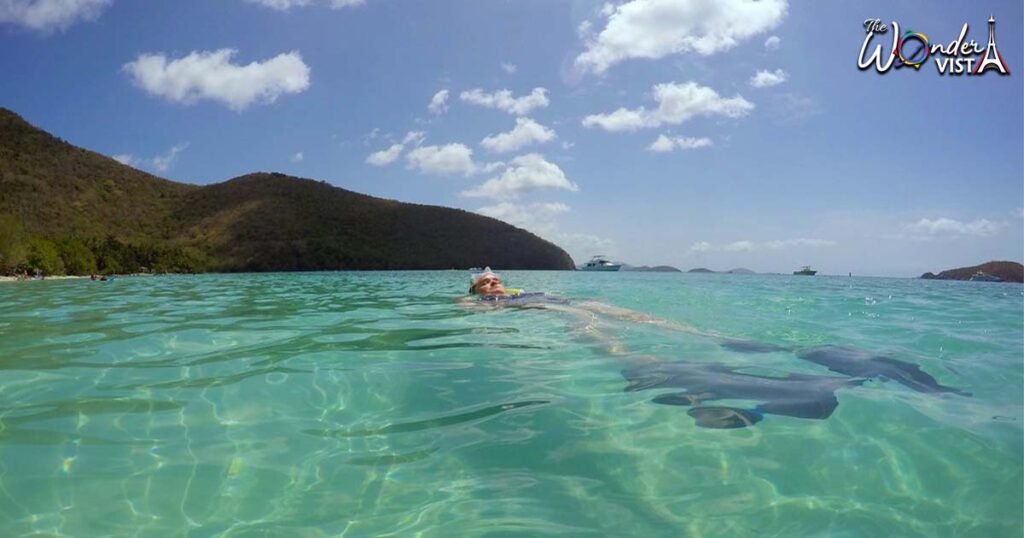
(362, 404)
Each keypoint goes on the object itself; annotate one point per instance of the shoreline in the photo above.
(58, 277)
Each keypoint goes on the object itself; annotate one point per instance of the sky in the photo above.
(693, 133)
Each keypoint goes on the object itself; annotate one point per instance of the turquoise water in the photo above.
(365, 404)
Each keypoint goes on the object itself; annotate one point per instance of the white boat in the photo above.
(600, 263)
(982, 276)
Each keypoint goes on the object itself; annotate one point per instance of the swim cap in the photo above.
(476, 274)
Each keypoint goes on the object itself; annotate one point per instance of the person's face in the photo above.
(489, 285)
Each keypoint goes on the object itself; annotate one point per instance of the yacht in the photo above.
(600, 263)
(982, 276)
(805, 270)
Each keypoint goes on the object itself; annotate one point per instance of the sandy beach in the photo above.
(61, 277)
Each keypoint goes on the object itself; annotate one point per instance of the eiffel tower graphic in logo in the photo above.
(992, 58)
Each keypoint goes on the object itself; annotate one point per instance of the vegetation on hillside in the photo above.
(66, 210)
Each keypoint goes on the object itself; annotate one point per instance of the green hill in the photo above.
(66, 209)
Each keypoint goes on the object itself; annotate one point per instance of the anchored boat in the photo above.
(600, 263)
(805, 270)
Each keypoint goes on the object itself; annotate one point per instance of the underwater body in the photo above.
(322, 404)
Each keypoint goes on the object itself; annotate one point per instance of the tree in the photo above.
(12, 243)
(77, 256)
(43, 255)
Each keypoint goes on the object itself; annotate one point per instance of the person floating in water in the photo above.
(788, 394)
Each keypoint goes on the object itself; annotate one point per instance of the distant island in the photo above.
(737, 271)
(991, 272)
(67, 210)
(649, 269)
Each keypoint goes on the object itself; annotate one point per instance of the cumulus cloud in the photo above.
(387, 156)
(438, 103)
(772, 43)
(526, 173)
(654, 29)
(286, 5)
(298, 157)
(50, 15)
(763, 79)
(446, 160)
(504, 100)
(666, 144)
(676, 103)
(749, 246)
(525, 132)
(950, 227)
(212, 75)
(509, 68)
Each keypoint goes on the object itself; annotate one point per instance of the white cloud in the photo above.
(526, 173)
(654, 29)
(160, 163)
(763, 79)
(676, 104)
(585, 30)
(163, 163)
(530, 217)
(385, 157)
(414, 137)
(541, 219)
(438, 103)
(449, 159)
(50, 15)
(949, 227)
(665, 144)
(211, 75)
(126, 159)
(509, 68)
(298, 157)
(525, 132)
(285, 5)
(750, 246)
(772, 43)
(503, 100)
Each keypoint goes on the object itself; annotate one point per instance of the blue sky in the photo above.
(694, 133)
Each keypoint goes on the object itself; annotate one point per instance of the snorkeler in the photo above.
(790, 394)
(487, 288)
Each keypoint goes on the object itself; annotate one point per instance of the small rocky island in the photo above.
(986, 272)
(650, 269)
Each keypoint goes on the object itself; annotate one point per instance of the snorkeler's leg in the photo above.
(591, 326)
(640, 317)
(595, 328)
